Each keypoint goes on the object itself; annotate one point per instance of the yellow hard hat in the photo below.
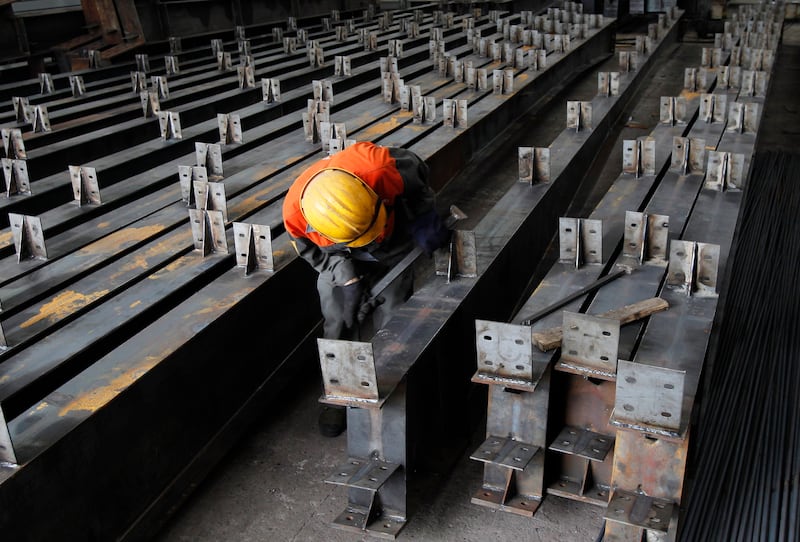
(343, 208)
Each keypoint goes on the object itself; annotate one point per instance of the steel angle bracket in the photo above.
(209, 155)
(210, 196)
(725, 171)
(169, 122)
(7, 454)
(364, 479)
(46, 83)
(253, 245)
(216, 46)
(580, 241)
(230, 128)
(208, 231)
(579, 116)
(171, 65)
(348, 373)
(454, 112)
(713, 108)
(21, 109)
(95, 59)
(583, 443)
(743, 118)
(505, 356)
(505, 452)
(175, 44)
(628, 61)
(754, 83)
(224, 61)
(639, 156)
(534, 164)
(13, 144)
(688, 155)
(589, 346)
(150, 103)
(187, 176)
(409, 93)
(322, 89)
(341, 66)
(459, 258)
(693, 268)
(270, 90)
(142, 62)
(648, 398)
(290, 45)
(502, 81)
(160, 85)
(77, 86)
(85, 188)
(639, 510)
(646, 238)
(673, 110)
(509, 455)
(608, 84)
(246, 76)
(28, 237)
(40, 119)
(15, 173)
(138, 81)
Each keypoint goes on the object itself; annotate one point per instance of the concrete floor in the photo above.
(270, 487)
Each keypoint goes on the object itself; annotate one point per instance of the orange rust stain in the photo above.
(4, 379)
(380, 128)
(688, 94)
(101, 395)
(141, 260)
(103, 225)
(123, 237)
(63, 305)
(135, 303)
(6, 237)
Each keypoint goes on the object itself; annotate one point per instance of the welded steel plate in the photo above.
(648, 395)
(369, 474)
(505, 452)
(348, 369)
(590, 342)
(504, 350)
(639, 510)
(582, 442)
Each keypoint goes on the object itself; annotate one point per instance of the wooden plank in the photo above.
(551, 338)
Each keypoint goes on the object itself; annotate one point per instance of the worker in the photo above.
(352, 216)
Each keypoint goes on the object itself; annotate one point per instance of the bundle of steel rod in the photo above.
(748, 450)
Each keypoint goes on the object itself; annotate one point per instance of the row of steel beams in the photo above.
(597, 452)
(391, 429)
(128, 318)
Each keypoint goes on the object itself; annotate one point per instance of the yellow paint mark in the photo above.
(135, 303)
(4, 379)
(103, 225)
(41, 406)
(380, 128)
(123, 237)
(62, 306)
(100, 396)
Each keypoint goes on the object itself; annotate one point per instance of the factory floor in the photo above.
(270, 487)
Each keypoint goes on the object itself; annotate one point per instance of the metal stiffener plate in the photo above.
(504, 350)
(591, 231)
(634, 240)
(461, 259)
(15, 173)
(369, 474)
(85, 188)
(648, 395)
(680, 272)
(525, 159)
(568, 239)
(590, 342)
(582, 442)
(657, 238)
(28, 237)
(639, 510)
(209, 155)
(505, 452)
(348, 369)
(208, 231)
(707, 267)
(253, 243)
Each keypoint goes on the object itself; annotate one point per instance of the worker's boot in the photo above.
(332, 420)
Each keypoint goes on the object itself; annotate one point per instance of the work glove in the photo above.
(352, 296)
(429, 232)
(368, 306)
